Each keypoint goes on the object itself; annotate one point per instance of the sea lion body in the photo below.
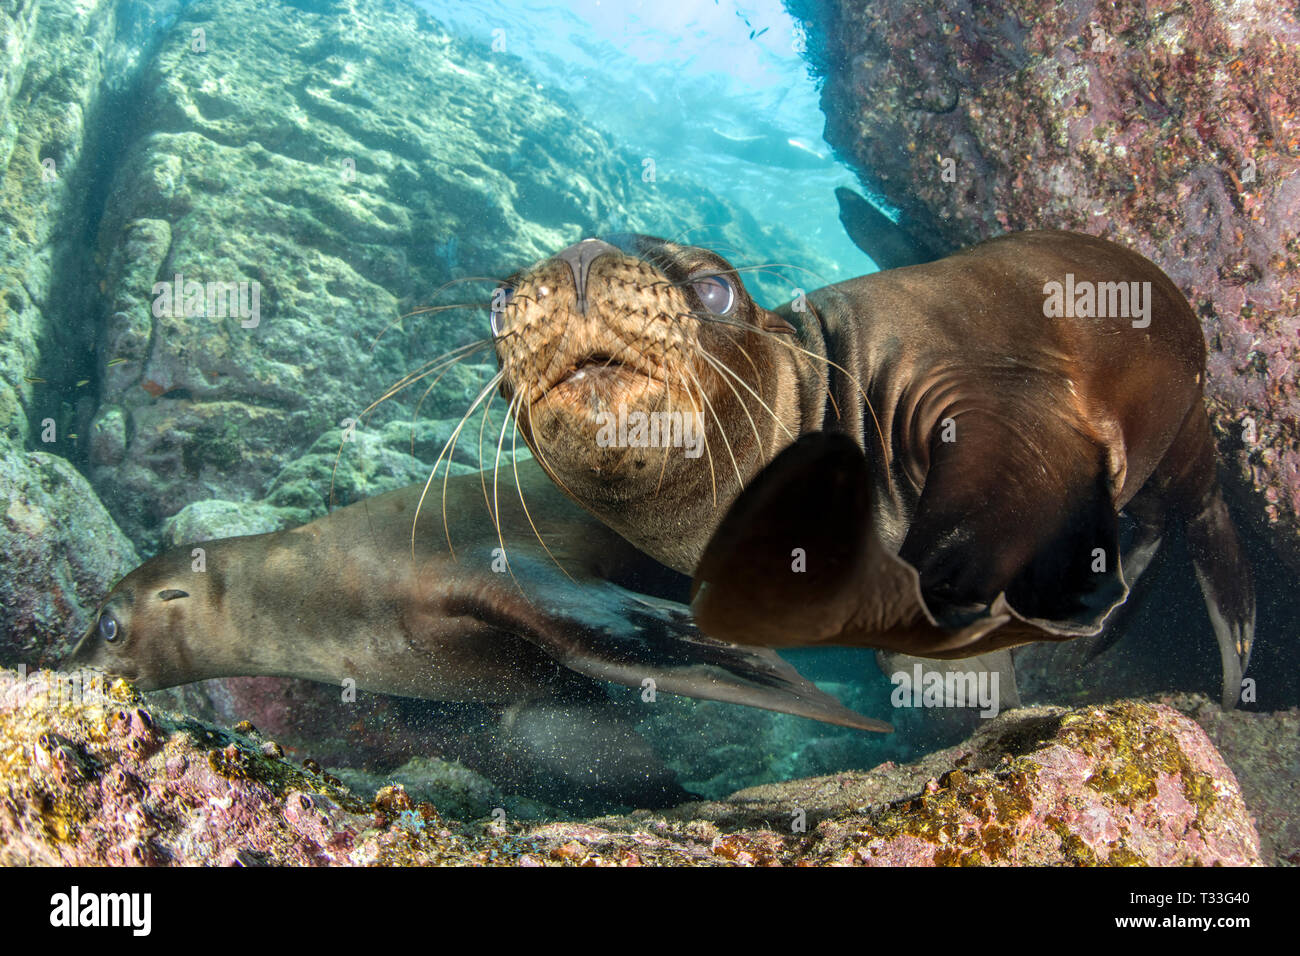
(1004, 424)
(370, 594)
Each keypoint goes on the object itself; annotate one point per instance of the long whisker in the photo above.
(721, 430)
(667, 396)
(721, 367)
(496, 499)
(450, 443)
(708, 451)
(482, 473)
(519, 487)
(541, 456)
(783, 339)
(423, 310)
(451, 359)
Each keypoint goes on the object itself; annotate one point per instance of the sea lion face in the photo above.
(641, 373)
(140, 631)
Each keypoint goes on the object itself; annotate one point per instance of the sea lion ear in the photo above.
(771, 322)
(171, 594)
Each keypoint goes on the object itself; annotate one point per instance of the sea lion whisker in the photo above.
(757, 376)
(519, 487)
(551, 472)
(482, 474)
(708, 451)
(721, 430)
(720, 366)
(884, 445)
(422, 310)
(487, 389)
(666, 397)
(783, 340)
(696, 227)
(769, 269)
(496, 499)
(428, 368)
(726, 371)
(426, 309)
(428, 391)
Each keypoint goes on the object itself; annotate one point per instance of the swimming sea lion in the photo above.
(1009, 400)
(368, 594)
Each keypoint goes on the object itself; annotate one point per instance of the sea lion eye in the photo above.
(108, 627)
(716, 294)
(501, 298)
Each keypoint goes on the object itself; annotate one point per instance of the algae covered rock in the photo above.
(59, 549)
(96, 777)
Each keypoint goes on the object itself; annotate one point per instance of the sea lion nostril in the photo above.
(579, 258)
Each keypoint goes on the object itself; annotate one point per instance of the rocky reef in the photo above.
(94, 776)
(1173, 128)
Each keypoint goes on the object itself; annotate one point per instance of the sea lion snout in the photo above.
(579, 257)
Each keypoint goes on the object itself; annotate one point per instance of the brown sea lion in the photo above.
(369, 594)
(1010, 401)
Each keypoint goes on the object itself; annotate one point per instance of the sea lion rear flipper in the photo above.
(889, 244)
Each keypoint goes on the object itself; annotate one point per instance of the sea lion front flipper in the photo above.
(1033, 520)
(796, 562)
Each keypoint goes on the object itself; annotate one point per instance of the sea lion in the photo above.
(1009, 401)
(473, 609)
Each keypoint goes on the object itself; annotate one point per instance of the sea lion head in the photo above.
(150, 630)
(647, 382)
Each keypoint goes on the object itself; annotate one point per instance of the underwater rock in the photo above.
(98, 778)
(332, 474)
(1264, 753)
(58, 547)
(61, 551)
(1170, 128)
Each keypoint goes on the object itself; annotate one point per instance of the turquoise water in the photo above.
(703, 87)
